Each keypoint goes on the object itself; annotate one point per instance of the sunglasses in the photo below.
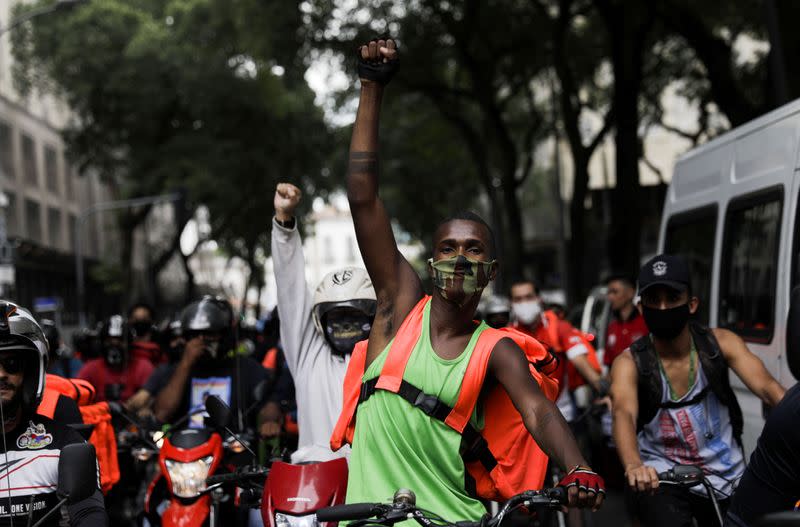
(12, 365)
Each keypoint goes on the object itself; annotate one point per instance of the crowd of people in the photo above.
(371, 367)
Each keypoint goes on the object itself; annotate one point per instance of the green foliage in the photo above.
(202, 95)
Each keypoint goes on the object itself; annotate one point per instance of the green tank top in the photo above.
(397, 446)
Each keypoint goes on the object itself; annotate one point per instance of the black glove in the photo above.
(377, 71)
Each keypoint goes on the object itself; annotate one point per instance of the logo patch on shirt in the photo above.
(35, 437)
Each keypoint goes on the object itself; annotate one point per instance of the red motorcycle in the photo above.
(180, 495)
(294, 493)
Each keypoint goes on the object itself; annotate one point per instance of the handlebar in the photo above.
(350, 512)
(238, 475)
(403, 509)
(686, 475)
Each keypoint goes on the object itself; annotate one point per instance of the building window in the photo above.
(6, 151)
(749, 272)
(51, 169)
(69, 180)
(33, 220)
(691, 235)
(54, 227)
(12, 225)
(29, 161)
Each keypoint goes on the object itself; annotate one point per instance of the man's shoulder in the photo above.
(141, 365)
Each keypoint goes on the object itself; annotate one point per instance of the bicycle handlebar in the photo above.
(389, 514)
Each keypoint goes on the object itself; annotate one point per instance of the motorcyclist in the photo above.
(317, 333)
(172, 342)
(143, 330)
(116, 375)
(31, 440)
(209, 365)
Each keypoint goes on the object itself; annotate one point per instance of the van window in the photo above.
(748, 278)
(691, 235)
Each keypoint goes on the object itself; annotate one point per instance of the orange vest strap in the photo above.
(404, 342)
(473, 379)
(345, 425)
(47, 407)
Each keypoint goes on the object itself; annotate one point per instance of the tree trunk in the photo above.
(627, 32)
(577, 225)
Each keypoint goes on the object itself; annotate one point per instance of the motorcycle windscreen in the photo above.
(298, 490)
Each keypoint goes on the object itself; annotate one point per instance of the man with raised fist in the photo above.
(404, 441)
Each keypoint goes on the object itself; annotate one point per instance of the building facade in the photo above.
(45, 194)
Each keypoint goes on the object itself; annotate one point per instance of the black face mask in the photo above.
(141, 328)
(342, 333)
(114, 356)
(666, 324)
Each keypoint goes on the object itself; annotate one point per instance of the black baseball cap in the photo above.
(665, 269)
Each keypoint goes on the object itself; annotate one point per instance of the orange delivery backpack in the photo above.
(96, 414)
(502, 459)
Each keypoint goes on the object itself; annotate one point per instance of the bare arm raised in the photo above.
(397, 286)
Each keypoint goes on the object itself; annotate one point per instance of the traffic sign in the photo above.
(46, 304)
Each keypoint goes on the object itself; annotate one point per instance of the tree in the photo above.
(476, 64)
(202, 95)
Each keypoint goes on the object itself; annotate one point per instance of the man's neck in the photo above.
(450, 320)
(677, 348)
(626, 311)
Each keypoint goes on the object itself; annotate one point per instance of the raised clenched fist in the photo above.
(287, 196)
(378, 61)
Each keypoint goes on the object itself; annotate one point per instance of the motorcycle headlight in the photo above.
(287, 520)
(189, 479)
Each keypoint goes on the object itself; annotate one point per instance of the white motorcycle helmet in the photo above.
(344, 308)
(20, 332)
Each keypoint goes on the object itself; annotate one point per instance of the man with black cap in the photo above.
(673, 403)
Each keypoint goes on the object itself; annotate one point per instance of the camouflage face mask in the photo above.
(447, 278)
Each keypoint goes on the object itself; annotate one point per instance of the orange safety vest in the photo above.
(97, 414)
(502, 459)
(574, 377)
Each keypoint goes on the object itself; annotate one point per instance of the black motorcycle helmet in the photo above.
(19, 332)
(210, 315)
(115, 338)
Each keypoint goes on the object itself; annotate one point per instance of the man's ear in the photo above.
(694, 304)
(429, 267)
(639, 306)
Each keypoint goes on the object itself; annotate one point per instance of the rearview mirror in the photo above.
(77, 472)
(219, 413)
(793, 333)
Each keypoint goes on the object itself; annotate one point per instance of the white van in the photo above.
(732, 209)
